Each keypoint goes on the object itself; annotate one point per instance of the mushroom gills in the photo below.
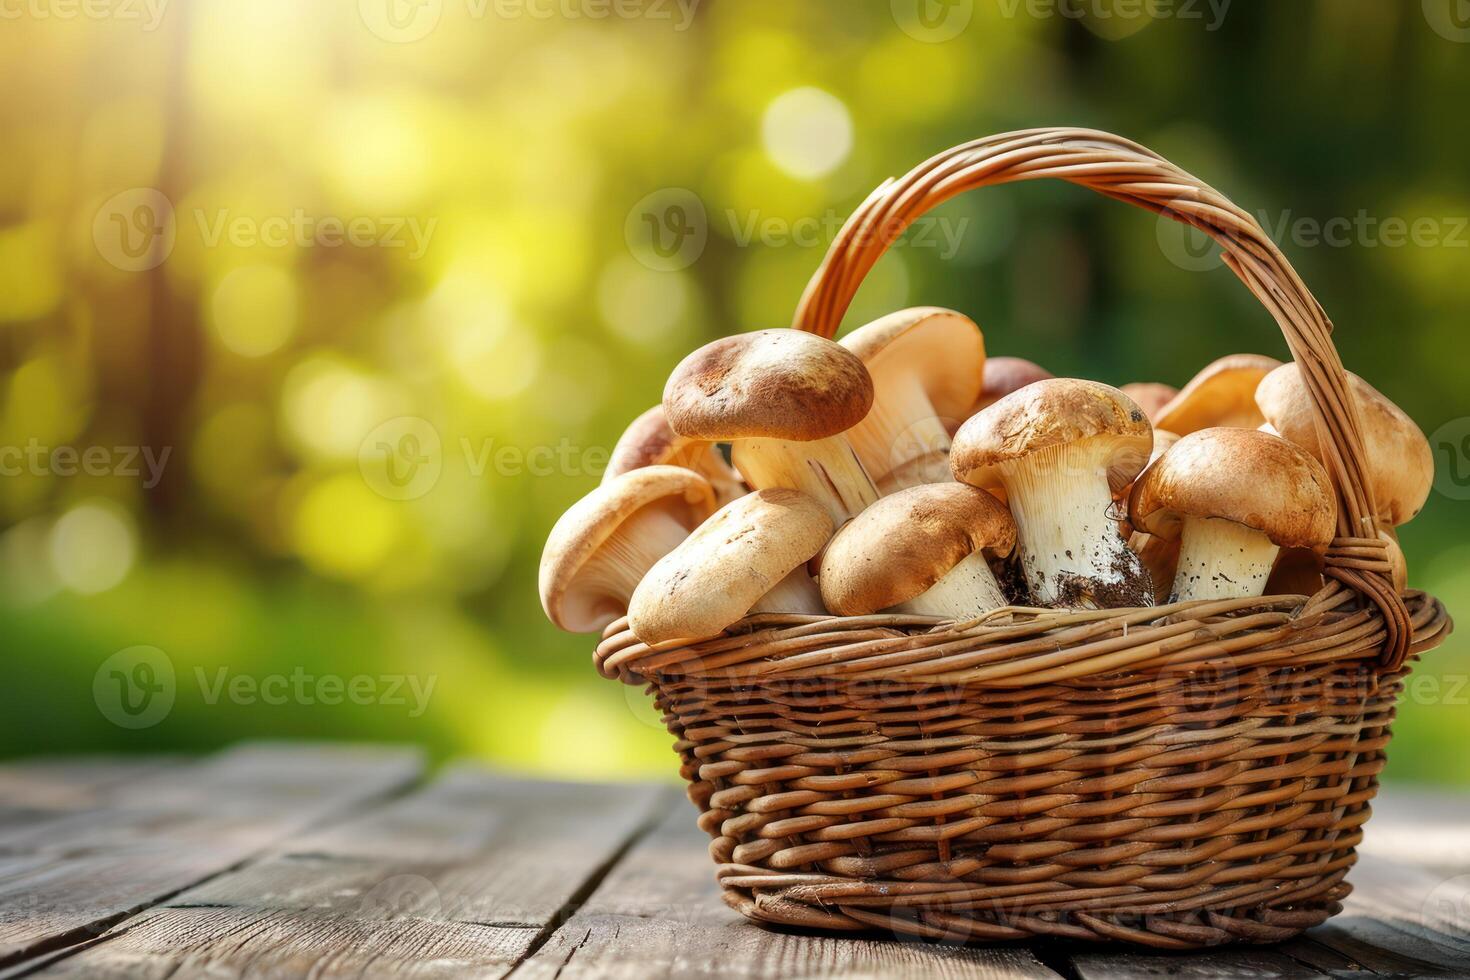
(965, 592)
(625, 557)
(1071, 549)
(796, 593)
(1221, 559)
(826, 469)
(902, 440)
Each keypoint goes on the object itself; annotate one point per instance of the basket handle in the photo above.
(1122, 169)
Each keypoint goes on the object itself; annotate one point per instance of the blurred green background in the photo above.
(315, 316)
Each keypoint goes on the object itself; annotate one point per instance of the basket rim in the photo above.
(1019, 648)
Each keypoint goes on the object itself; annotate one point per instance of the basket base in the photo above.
(1000, 920)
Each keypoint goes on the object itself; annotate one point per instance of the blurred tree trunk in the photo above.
(173, 346)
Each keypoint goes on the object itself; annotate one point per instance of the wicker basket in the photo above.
(1176, 777)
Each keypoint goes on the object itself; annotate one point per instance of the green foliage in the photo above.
(451, 229)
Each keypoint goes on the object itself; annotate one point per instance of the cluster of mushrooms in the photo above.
(901, 471)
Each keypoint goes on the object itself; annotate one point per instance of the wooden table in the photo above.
(326, 861)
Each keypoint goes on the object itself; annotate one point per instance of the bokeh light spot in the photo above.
(807, 132)
(341, 528)
(92, 547)
(253, 309)
(642, 305)
(329, 406)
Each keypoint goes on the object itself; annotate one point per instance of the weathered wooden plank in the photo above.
(266, 943)
(658, 913)
(71, 782)
(1420, 827)
(1242, 963)
(70, 877)
(1403, 921)
(34, 791)
(464, 877)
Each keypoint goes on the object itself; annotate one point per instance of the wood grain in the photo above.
(659, 913)
(462, 878)
(68, 876)
(296, 860)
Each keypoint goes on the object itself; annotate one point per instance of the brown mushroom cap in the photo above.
(1003, 375)
(901, 546)
(943, 349)
(588, 524)
(727, 565)
(647, 441)
(1222, 393)
(1047, 414)
(1151, 396)
(772, 384)
(1400, 462)
(1252, 478)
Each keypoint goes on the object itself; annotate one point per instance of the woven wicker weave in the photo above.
(1178, 776)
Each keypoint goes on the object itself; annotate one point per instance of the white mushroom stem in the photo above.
(826, 469)
(901, 442)
(626, 556)
(796, 593)
(1220, 559)
(1071, 549)
(967, 591)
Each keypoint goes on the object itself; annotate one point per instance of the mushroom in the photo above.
(649, 441)
(1223, 393)
(1159, 555)
(783, 398)
(1400, 462)
(922, 551)
(605, 542)
(1234, 498)
(1060, 449)
(1151, 396)
(1004, 375)
(926, 366)
(749, 557)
